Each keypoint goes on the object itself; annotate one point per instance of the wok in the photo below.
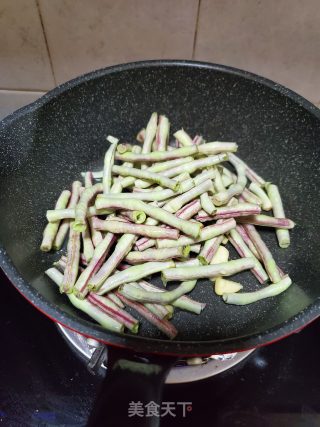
(44, 147)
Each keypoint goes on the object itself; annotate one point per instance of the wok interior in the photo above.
(45, 149)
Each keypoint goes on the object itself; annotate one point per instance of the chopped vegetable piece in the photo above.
(183, 138)
(162, 135)
(163, 325)
(65, 224)
(150, 133)
(264, 253)
(165, 297)
(134, 273)
(250, 297)
(278, 211)
(190, 228)
(108, 163)
(73, 258)
(267, 221)
(137, 257)
(99, 255)
(243, 250)
(205, 234)
(51, 229)
(152, 231)
(84, 305)
(150, 176)
(259, 191)
(82, 207)
(224, 286)
(121, 249)
(193, 272)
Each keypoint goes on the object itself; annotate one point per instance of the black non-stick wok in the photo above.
(45, 146)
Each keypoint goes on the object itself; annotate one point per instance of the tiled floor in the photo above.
(11, 100)
(90, 35)
(46, 42)
(24, 56)
(278, 39)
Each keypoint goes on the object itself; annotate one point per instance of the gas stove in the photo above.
(184, 371)
(44, 380)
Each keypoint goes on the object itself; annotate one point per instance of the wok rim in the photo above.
(136, 342)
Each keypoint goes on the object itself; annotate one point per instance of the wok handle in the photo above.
(131, 377)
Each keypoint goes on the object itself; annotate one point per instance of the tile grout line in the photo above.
(46, 41)
(196, 30)
(5, 89)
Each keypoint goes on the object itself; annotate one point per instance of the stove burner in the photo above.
(186, 370)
